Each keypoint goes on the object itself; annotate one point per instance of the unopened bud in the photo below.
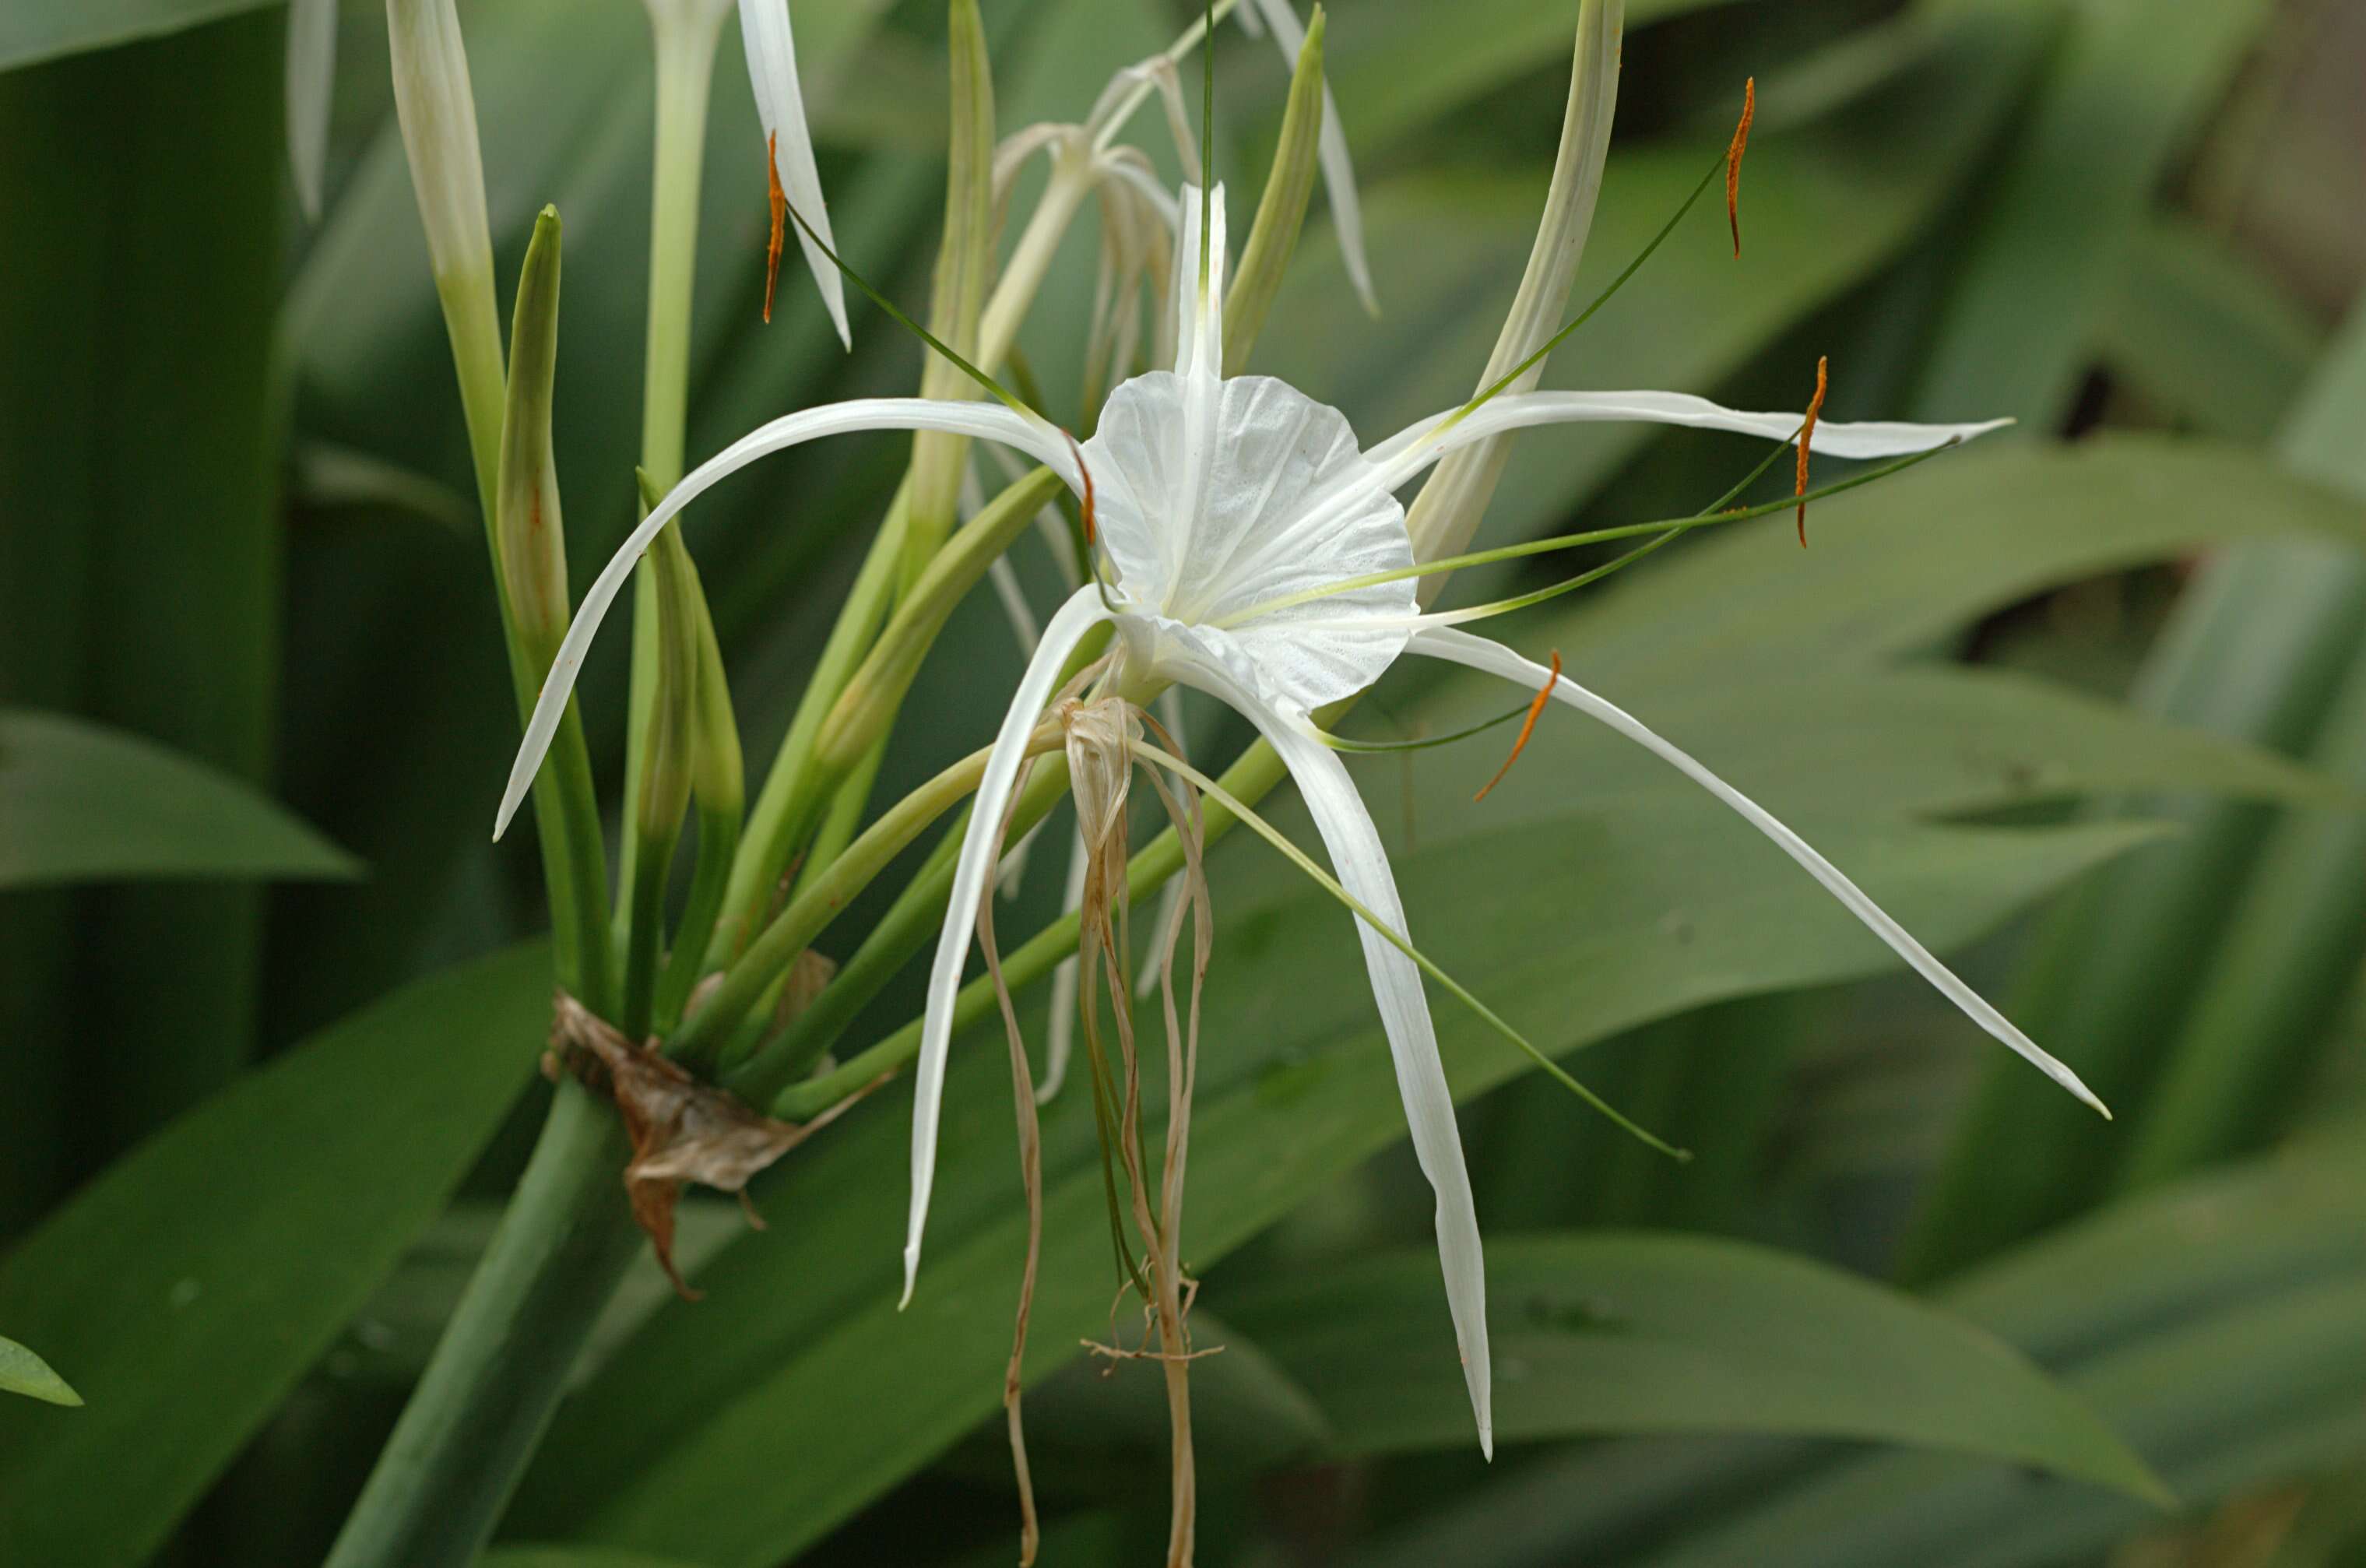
(669, 749)
(433, 101)
(438, 114)
(1447, 512)
(1282, 209)
(531, 532)
(965, 268)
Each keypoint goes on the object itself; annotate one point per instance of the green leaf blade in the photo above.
(22, 1371)
(192, 1285)
(80, 802)
(1608, 1333)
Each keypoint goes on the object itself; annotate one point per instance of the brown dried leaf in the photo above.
(683, 1130)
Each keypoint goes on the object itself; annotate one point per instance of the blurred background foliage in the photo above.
(2087, 705)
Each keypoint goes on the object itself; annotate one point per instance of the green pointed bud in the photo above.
(718, 781)
(1273, 239)
(877, 690)
(670, 742)
(438, 114)
(964, 268)
(529, 531)
(668, 747)
(718, 769)
(1447, 512)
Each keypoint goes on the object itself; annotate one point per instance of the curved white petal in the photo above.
(1338, 167)
(1462, 648)
(1362, 866)
(985, 421)
(781, 104)
(1078, 615)
(1199, 303)
(311, 82)
(1418, 445)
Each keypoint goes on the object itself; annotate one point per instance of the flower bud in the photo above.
(1280, 211)
(1448, 510)
(669, 750)
(438, 114)
(529, 532)
(965, 268)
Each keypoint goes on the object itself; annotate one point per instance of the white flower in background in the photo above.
(1232, 510)
(780, 105)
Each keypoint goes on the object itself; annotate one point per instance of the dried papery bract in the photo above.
(683, 1131)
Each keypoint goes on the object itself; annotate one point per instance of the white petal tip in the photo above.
(503, 819)
(1487, 1444)
(2071, 1081)
(911, 1276)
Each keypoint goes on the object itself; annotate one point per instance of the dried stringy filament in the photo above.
(1030, 1174)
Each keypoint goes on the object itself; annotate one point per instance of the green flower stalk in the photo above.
(683, 38)
(438, 116)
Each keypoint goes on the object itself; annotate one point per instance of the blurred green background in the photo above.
(2085, 706)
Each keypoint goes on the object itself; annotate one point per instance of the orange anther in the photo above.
(1807, 438)
(780, 218)
(1528, 727)
(1734, 153)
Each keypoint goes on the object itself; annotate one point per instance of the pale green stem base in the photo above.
(488, 1394)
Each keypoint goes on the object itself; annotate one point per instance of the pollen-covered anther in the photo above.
(1527, 728)
(780, 199)
(1807, 439)
(1734, 153)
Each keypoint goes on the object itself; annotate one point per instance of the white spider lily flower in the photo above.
(1243, 521)
(780, 105)
(311, 80)
(1222, 503)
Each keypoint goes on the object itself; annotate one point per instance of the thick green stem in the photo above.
(474, 1420)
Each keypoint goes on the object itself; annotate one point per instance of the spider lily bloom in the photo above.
(1260, 555)
(780, 105)
(1231, 511)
